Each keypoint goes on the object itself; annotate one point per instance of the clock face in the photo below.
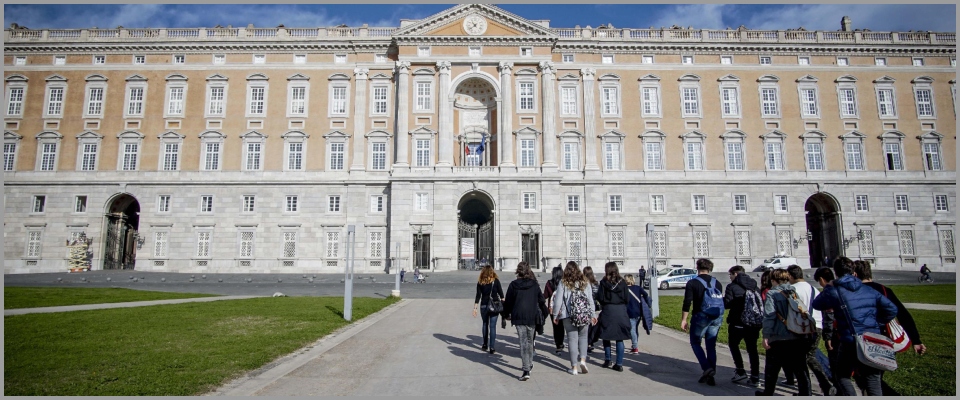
(474, 25)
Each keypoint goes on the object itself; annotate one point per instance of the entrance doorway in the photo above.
(823, 223)
(121, 233)
(476, 233)
(530, 249)
(421, 251)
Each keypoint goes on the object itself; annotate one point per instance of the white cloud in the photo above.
(876, 17)
(700, 16)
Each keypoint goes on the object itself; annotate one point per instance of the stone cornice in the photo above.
(197, 47)
(774, 49)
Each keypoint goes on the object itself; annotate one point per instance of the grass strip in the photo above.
(933, 374)
(167, 350)
(927, 294)
(31, 297)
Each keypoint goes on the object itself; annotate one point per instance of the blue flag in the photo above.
(480, 147)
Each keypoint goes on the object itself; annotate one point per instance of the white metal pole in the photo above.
(654, 285)
(396, 271)
(348, 282)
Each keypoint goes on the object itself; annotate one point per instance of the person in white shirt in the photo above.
(806, 293)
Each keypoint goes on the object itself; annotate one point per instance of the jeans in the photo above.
(736, 334)
(867, 377)
(814, 366)
(701, 327)
(557, 334)
(489, 325)
(791, 356)
(607, 355)
(633, 332)
(576, 340)
(526, 333)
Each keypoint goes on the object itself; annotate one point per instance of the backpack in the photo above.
(578, 308)
(712, 306)
(798, 319)
(752, 316)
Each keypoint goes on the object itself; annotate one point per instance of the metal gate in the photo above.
(115, 256)
(485, 239)
(530, 249)
(469, 232)
(421, 251)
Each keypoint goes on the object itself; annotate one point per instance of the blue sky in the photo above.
(876, 17)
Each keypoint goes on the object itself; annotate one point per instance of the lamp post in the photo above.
(348, 281)
(654, 286)
(396, 271)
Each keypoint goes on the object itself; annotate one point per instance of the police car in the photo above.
(675, 276)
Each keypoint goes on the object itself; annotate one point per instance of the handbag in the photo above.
(495, 306)
(873, 350)
(896, 333)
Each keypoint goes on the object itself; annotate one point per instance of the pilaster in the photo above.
(589, 119)
(401, 137)
(548, 88)
(506, 113)
(359, 119)
(445, 145)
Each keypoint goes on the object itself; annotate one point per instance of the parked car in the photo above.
(777, 262)
(675, 276)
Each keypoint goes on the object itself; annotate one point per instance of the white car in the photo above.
(675, 277)
(777, 263)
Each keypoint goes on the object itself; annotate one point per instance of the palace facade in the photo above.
(477, 134)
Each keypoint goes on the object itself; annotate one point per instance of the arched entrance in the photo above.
(823, 224)
(476, 233)
(475, 102)
(121, 232)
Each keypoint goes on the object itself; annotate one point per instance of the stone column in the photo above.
(506, 114)
(359, 119)
(589, 119)
(445, 145)
(548, 88)
(401, 136)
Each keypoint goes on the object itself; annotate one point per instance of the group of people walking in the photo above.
(785, 314)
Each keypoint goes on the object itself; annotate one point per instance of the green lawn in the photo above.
(167, 350)
(930, 294)
(30, 297)
(933, 374)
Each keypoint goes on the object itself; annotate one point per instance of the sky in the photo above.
(875, 17)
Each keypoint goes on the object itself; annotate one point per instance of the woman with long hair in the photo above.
(765, 284)
(595, 287)
(488, 288)
(548, 289)
(526, 307)
(571, 292)
(614, 322)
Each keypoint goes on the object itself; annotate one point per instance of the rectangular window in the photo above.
(130, 151)
(253, 156)
(768, 99)
(917, 62)
(573, 245)
(651, 101)
(854, 156)
(647, 59)
(246, 244)
(259, 58)
(567, 58)
(687, 60)
(298, 100)
(701, 244)
(699, 203)
(606, 59)
(940, 202)
(216, 101)
(171, 155)
(20, 60)
(611, 103)
(179, 59)
(863, 202)
(573, 203)
(892, 154)
(474, 51)
(212, 157)
(691, 103)
(902, 202)
(206, 204)
(694, 156)
(803, 60)
(656, 203)
(95, 102)
(333, 204)
(654, 156)
(135, 101)
(880, 61)
(376, 245)
(340, 59)
(848, 103)
(88, 159)
(740, 202)
(379, 162)
(175, 104)
(163, 204)
(219, 59)
(931, 156)
(422, 202)
(423, 51)
(99, 60)
(257, 100)
(782, 203)
(774, 156)
(9, 155)
(15, 101)
(615, 203)
(139, 59)
(299, 58)
(571, 159)
(527, 153)
(616, 244)
(726, 60)
(249, 203)
(55, 102)
(529, 202)
(735, 156)
(611, 156)
(423, 152)
(376, 204)
(568, 100)
(203, 244)
(808, 102)
(766, 60)
(48, 157)
(730, 101)
(743, 243)
(526, 96)
(338, 104)
(906, 243)
(842, 61)
(295, 156)
(292, 204)
(886, 103)
(379, 100)
(814, 156)
(333, 244)
(924, 102)
(948, 248)
(160, 244)
(33, 244)
(39, 203)
(424, 94)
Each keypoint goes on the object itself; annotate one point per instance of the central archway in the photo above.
(476, 230)
(823, 225)
(121, 233)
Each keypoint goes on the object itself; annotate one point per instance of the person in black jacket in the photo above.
(614, 322)
(488, 288)
(702, 326)
(734, 300)
(831, 338)
(527, 308)
(548, 289)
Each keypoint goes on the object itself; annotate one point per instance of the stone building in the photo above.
(477, 134)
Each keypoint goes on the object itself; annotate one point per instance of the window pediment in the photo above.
(852, 135)
(136, 78)
(56, 78)
(734, 134)
(653, 134)
(212, 135)
(807, 79)
(423, 131)
(96, 78)
(176, 77)
(298, 77)
(49, 135)
(380, 77)
(769, 78)
(729, 78)
(170, 135)
(378, 134)
(689, 78)
(885, 79)
(253, 135)
(775, 134)
(216, 77)
(7, 135)
(257, 77)
(693, 135)
(89, 135)
(527, 131)
(569, 77)
(336, 135)
(922, 79)
(815, 134)
(422, 72)
(16, 78)
(649, 78)
(609, 77)
(612, 134)
(571, 134)
(846, 78)
(932, 135)
(295, 135)
(892, 135)
(130, 135)
(526, 71)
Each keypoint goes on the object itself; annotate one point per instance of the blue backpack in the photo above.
(712, 306)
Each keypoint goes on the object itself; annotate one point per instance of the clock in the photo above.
(474, 25)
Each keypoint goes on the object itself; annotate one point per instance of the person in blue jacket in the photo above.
(638, 310)
(864, 310)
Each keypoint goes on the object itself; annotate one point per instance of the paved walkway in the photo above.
(935, 307)
(20, 311)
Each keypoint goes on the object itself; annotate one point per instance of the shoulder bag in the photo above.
(896, 333)
(495, 306)
(873, 349)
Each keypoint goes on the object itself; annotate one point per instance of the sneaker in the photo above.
(606, 364)
(589, 349)
(618, 368)
(706, 374)
(583, 367)
(711, 381)
(492, 351)
(738, 376)
(525, 376)
(484, 347)
(558, 351)
(573, 370)
(755, 381)
(635, 351)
